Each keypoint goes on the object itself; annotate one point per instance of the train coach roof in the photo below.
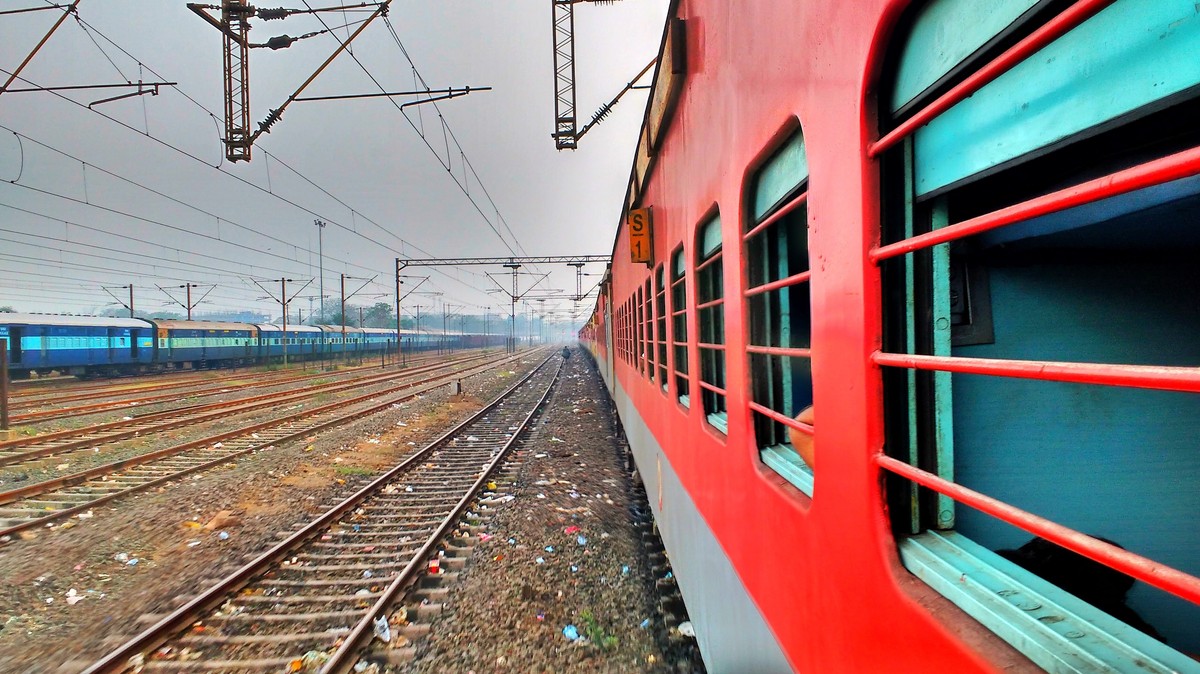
(202, 325)
(74, 321)
(380, 331)
(338, 329)
(270, 327)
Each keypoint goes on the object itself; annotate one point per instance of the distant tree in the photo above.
(7, 310)
(380, 315)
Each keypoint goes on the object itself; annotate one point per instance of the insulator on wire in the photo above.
(281, 42)
(602, 113)
(272, 14)
(272, 117)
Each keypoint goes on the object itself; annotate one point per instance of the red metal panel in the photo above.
(810, 565)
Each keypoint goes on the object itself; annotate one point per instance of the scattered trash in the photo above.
(539, 560)
(218, 445)
(121, 557)
(491, 486)
(574, 569)
(668, 576)
(126, 418)
(401, 424)
(581, 539)
(368, 573)
(570, 530)
(373, 441)
(192, 544)
(408, 489)
(472, 438)
(625, 570)
(132, 562)
(645, 623)
(571, 633)
(685, 628)
(484, 538)
(435, 565)
(541, 496)
(74, 597)
(554, 439)
(512, 541)
(222, 520)
(549, 548)
(223, 535)
(383, 631)
(541, 616)
(86, 516)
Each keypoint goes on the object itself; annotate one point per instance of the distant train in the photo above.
(88, 346)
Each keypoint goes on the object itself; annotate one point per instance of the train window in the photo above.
(660, 314)
(679, 330)
(639, 327)
(777, 298)
(710, 315)
(1039, 360)
(648, 315)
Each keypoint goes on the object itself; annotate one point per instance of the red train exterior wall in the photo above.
(823, 571)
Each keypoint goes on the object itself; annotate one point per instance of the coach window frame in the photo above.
(776, 254)
(710, 321)
(679, 326)
(914, 259)
(660, 315)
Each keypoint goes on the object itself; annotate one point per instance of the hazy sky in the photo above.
(137, 191)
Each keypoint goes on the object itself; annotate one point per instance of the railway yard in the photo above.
(467, 512)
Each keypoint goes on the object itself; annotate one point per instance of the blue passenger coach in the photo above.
(77, 345)
(198, 344)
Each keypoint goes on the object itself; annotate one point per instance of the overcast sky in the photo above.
(137, 191)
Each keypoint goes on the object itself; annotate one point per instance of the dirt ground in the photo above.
(71, 593)
(564, 557)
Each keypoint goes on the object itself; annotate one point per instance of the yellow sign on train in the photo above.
(640, 227)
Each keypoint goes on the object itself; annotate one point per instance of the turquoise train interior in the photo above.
(1113, 281)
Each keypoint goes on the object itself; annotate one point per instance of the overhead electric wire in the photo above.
(466, 161)
(445, 126)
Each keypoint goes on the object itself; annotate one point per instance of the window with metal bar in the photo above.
(648, 315)
(660, 315)
(777, 299)
(639, 306)
(1039, 360)
(710, 318)
(679, 325)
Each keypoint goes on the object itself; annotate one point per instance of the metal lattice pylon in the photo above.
(235, 20)
(565, 122)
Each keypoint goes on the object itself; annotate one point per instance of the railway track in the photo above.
(42, 502)
(210, 390)
(324, 592)
(59, 443)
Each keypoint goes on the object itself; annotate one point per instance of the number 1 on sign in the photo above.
(640, 228)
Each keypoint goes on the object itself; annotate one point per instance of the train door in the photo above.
(112, 344)
(133, 344)
(14, 345)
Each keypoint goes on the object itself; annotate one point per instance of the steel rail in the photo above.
(215, 389)
(204, 412)
(81, 478)
(134, 651)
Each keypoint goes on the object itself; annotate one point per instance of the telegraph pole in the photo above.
(321, 287)
(283, 301)
(127, 306)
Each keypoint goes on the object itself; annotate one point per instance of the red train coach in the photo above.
(965, 234)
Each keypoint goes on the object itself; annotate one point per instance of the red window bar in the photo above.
(1165, 578)
(661, 324)
(1055, 28)
(1172, 167)
(748, 240)
(649, 315)
(679, 328)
